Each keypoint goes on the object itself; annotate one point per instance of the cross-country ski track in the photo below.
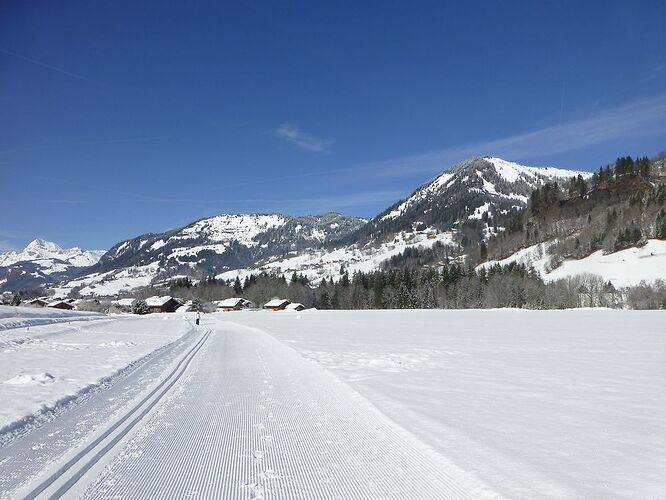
(239, 414)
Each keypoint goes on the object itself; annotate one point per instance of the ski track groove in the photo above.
(142, 408)
(251, 418)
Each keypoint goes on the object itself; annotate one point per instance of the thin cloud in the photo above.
(341, 201)
(303, 140)
(44, 65)
(357, 199)
(638, 118)
(100, 142)
(66, 202)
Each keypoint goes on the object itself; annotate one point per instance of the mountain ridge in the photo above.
(461, 206)
(42, 262)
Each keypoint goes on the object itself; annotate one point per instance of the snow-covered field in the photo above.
(42, 364)
(340, 404)
(534, 404)
(16, 317)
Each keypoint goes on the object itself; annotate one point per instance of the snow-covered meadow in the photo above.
(491, 403)
(534, 404)
(48, 355)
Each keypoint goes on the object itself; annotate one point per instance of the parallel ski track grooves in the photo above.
(259, 421)
(164, 386)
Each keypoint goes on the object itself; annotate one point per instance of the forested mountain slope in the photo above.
(621, 206)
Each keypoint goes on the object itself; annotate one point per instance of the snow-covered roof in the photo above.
(232, 302)
(276, 303)
(38, 299)
(294, 306)
(157, 301)
(57, 302)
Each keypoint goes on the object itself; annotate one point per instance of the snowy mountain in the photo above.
(43, 262)
(612, 225)
(481, 193)
(208, 247)
(464, 204)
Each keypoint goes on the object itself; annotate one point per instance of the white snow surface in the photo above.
(534, 404)
(226, 228)
(345, 404)
(24, 316)
(43, 365)
(157, 300)
(111, 282)
(623, 268)
(511, 171)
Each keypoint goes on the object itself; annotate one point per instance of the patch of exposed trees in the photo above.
(618, 207)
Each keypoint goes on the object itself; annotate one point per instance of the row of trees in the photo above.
(427, 287)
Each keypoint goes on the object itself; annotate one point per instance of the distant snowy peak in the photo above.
(490, 180)
(41, 263)
(51, 255)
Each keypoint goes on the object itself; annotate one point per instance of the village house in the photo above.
(276, 304)
(294, 306)
(233, 304)
(61, 304)
(38, 302)
(166, 304)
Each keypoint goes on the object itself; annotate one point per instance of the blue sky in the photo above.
(120, 118)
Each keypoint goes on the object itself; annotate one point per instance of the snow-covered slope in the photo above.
(51, 256)
(210, 247)
(471, 189)
(318, 264)
(42, 262)
(626, 267)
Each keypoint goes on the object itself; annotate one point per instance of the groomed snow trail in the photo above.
(60, 482)
(251, 418)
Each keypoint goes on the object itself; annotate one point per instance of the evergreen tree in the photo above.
(238, 287)
(140, 307)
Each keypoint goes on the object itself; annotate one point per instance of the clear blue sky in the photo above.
(125, 117)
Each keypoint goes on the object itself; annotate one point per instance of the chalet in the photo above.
(61, 304)
(38, 302)
(294, 306)
(166, 304)
(276, 304)
(233, 304)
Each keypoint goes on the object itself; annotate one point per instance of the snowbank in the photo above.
(47, 365)
(20, 317)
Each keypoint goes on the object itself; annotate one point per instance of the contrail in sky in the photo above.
(44, 65)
